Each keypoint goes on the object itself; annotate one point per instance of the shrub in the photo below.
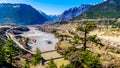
(85, 59)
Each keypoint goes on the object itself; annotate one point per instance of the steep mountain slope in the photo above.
(73, 12)
(49, 17)
(107, 9)
(20, 14)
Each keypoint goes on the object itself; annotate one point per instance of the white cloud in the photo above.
(105, 0)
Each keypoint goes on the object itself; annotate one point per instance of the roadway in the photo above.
(47, 55)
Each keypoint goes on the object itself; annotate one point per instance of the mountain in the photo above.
(53, 17)
(73, 12)
(49, 17)
(20, 14)
(107, 9)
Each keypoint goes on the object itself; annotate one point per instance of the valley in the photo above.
(108, 35)
(53, 41)
(45, 42)
(51, 34)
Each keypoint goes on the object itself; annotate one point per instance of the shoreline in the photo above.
(41, 36)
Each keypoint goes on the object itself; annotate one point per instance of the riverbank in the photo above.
(39, 40)
(109, 53)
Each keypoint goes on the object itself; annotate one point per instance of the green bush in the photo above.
(85, 59)
(51, 64)
(26, 64)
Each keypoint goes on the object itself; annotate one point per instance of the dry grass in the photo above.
(61, 61)
(116, 34)
(50, 55)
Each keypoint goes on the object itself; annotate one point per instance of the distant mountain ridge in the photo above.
(20, 14)
(53, 17)
(73, 12)
(49, 17)
(107, 9)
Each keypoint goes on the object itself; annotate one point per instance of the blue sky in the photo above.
(53, 7)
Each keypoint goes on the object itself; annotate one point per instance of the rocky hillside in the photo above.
(20, 14)
(73, 12)
(107, 9)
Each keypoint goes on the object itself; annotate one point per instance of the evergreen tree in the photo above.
(62, 66)
(37, 58)
(85, 60)
(26, 64)
(26, 40)
(11, 52)
(51, 64)
(2, 56)
(89, 26)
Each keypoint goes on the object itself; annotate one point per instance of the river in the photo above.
(40, 40)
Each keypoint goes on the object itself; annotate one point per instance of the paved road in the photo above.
(18, 43)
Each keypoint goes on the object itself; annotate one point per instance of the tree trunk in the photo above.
(11, 60)
(85, 41)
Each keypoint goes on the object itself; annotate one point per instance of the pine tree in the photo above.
(37, 58)
(10, 52)
(89, 26)
(51, 64)
(26, 64)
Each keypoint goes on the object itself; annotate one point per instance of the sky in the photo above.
(53, 7)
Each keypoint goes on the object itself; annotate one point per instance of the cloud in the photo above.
(105, 0)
